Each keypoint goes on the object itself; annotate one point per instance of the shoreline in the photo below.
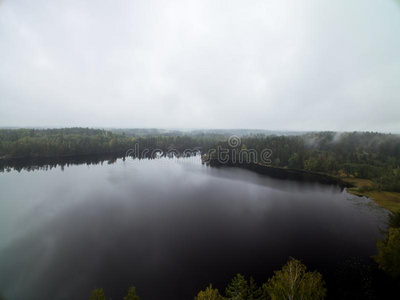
(355, 186)
(387, 200)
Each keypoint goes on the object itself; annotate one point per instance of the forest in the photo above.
(24, 143)
(365, 155)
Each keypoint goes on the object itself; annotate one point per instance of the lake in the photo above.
(169, 227)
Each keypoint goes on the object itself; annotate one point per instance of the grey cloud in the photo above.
(285, 65)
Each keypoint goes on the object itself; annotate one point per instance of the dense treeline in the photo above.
(75, 141)
(58, 142)
(368, 155)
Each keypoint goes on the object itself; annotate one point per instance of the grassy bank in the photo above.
(364, 187)
(360, 187)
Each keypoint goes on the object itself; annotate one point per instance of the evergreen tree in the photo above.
(237, 289)
(253, 291)
(241, 289)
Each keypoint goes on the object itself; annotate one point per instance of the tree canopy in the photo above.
(97, 294)
(242, 289)
(131, 294)
(293, 282)
(209, 294)
(388, 256)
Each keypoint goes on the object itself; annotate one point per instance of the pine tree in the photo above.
(241, 289)
(253, 291)
(237, 289)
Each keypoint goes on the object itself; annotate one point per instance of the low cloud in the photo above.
(281, 65)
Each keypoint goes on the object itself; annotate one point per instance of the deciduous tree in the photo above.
(131, 294)
(97, 294)
(388, 256)
(292, 282)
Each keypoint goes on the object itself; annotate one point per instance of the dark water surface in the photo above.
(170, 229)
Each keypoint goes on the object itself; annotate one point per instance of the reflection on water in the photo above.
(168, 228)
(32, 164)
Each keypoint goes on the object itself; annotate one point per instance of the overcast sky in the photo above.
(282, 65)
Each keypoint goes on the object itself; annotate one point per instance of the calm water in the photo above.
(170, 229)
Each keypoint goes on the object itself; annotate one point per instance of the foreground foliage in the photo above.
(131, 294)
(209, 294)
(98, 294)
(240, 288)
(388, 256)
(292, 282)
